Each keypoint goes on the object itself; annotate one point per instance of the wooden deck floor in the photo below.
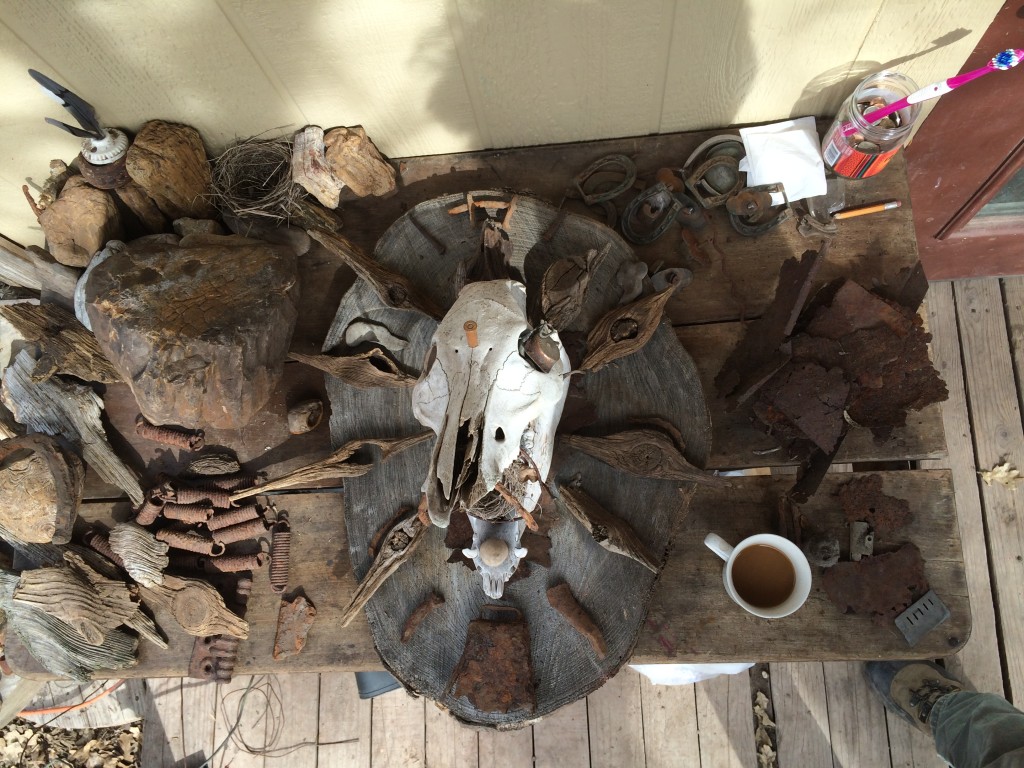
(825, 714)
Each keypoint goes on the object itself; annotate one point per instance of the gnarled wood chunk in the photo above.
(143, 556)
(372, 368)
(336, 465)
(66, 346)
(40, 488)
(197, 607)
(169, 162)
(80, 223)
(393, 289)
(397, 547)
(624, 330)
(561, 599)
(310, 169)
(611, 532)
(356, 163)
(199, 329)
(59, 407)
(643, 452)
(565, 285)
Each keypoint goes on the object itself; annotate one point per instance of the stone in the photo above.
(355, 161)
(169, 162)
(188, 226)
(199, 329)
(142, 207)
(80, 222)
(40, 489)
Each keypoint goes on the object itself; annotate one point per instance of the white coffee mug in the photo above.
(780, 601)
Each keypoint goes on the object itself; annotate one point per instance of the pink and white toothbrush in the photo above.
(1007, 59)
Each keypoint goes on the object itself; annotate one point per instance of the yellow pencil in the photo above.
(849, 213)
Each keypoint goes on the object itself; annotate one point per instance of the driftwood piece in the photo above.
(169, 162)
(61, 408)
(310, 169)
(57, 646)
(643, 452)
(40, 488)
(611, 532)
(143, 556)
(624, 330)
(305, 416)
(372, 368)
(397, 547)
(65, 345)
(495, 672)
(196, 606)
(561, 599)
(564, 290)
(37, 270)
(430, 602)
(294, 620)
(80, 223)
(393, 289)
(336, 465)
(356, 163)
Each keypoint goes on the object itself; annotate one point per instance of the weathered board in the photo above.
(659, 381)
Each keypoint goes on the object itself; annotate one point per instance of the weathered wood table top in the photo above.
(691, 618)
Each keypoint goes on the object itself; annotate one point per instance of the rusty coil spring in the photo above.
(98, 541)
(216, 497)
(251, 529)
(280, 554)
(189, 440)
(188, 513)
(150, 509)
(233, 482)
(232, 517)
(190, 542)
(235, 563)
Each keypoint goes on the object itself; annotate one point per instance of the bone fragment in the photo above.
(359, 331)
(305, 416)
(611, 532)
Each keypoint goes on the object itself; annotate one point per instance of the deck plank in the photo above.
(562, 740)
(726, 722)
(856, 717)
(344, 726)
(998, 437)
(801, 713)
(670, 724)
(979, 659)
(397, 731)
(198, 720)
(509, 749)
(449, 743)
(616, 722)
(162, 742)
(300, 705)
(250, 714)
(909, 747)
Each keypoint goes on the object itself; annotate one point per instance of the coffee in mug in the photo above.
(765, 574)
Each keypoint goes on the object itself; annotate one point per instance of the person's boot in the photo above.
(910, 688)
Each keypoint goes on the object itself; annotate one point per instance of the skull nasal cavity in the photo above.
(499, 435)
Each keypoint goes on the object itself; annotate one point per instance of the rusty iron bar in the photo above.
(98, 541)
(248, 530)
(186, 439)
(234, 563)
(191, 542)
(280, 555)
(188, 513)
(150, 508)
(231, 517)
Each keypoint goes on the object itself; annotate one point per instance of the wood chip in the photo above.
(372, 368)
(624, 330)
(611, 532)
(643, 452)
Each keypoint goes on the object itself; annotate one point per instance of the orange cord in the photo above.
(73, 707)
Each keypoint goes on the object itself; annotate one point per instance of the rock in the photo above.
(310, 169)
(80, 222)
(198, 227)
(355, 161)
(40, 489)
(199, 330)
(142, 206)
(169, 162)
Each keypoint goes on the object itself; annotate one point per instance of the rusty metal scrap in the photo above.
(150, 509)
(881, 586)
(186, 439)
(234, 563)
(200, 512)
(805, 401)
(213, 658)
(560, 598)
(251, 529)
(190, 541)
(294, 619)
(862, 498)
(194, 494)
(224, 518)
(495, 672)
(280, 554)
(419, 613)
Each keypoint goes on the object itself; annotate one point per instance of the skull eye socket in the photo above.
(499, 435)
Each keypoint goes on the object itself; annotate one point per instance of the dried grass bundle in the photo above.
(253, 178)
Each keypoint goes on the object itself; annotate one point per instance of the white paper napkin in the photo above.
(787, 153)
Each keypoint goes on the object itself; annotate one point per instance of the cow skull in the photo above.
(493, 407)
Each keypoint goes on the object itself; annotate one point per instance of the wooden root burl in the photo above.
(624, 330)
(199, 330)
(197, 607)
(643, 452)
(40, 489)
(373, 368)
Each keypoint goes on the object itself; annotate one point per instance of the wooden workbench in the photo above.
(691, 618)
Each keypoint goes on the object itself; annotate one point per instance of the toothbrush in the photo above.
(1007, 59)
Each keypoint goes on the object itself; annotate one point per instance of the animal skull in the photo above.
(487, 402)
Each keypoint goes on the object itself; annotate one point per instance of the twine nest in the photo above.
(254, 178)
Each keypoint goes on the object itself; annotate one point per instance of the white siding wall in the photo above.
(437, 76)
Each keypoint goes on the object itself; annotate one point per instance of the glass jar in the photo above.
(855, 148)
